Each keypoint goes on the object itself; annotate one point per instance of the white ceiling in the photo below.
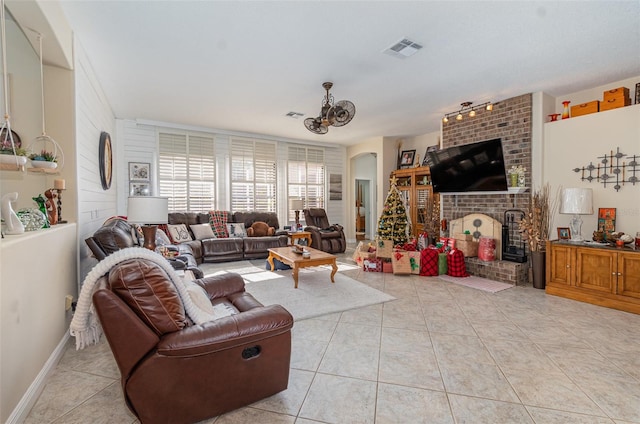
(241, 66)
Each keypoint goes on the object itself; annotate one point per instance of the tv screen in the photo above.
(470, 167)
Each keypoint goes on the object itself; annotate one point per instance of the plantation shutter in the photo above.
(305, 176)
(253, 175)
(186, 171)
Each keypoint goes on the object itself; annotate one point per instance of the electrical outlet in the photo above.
(68, 300)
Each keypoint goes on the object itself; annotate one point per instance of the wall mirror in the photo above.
(23, 83)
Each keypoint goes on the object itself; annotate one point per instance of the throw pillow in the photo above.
(218, 221)
(179, 233)
(161, 237)
(202, 231)
(260, 229)
(236, 230)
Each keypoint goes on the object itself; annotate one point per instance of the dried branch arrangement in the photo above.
(536, 224)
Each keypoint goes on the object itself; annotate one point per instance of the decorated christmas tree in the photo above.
(394, 223)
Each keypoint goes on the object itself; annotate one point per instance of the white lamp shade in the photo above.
(578, 201)
(296, 204)
(148, 210)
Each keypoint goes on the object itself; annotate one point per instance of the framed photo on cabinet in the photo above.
(564, 233)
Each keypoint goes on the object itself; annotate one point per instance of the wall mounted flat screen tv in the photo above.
(468, 168)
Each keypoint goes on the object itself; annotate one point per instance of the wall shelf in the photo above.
(517, 190)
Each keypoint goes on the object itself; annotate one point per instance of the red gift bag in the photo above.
(455, 264)
(429, 262)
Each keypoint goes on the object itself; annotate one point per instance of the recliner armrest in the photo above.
(223, 285)
(224, 333)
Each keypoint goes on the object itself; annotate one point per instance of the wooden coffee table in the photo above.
(296, 261)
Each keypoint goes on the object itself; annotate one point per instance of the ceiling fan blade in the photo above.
(315, 125)
(343, 113)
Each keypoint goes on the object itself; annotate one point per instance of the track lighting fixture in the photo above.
(466, 107)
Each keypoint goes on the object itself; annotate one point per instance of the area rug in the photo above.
(315, 295)
(477, 283)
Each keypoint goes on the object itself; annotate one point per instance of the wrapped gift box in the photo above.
(414, 262)
(372, 265)
(384, 248)
(387, 266)
(401, 262)
(469, 248)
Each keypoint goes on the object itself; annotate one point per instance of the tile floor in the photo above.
(440, 353)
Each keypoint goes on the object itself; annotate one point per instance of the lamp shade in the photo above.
(148, 210)
(578, 201)
(296, 204)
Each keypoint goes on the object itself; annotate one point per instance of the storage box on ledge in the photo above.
(613, 99)
(585, 108)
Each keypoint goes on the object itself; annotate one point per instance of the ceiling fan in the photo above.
(336, 115)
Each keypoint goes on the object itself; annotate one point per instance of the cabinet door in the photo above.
(629, 274)
(559, 265)
(424, 208)
(596, 270)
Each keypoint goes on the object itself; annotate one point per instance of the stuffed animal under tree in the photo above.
(394, 223)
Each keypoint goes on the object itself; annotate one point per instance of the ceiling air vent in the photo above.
(295, 115)
(403, 49)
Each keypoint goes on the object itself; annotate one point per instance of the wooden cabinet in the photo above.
(605, 276)
(422, 203)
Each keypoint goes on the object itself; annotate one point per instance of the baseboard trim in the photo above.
(30, 397)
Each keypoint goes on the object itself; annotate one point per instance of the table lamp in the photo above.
(296, 205)
(149, 212)
(577, 201)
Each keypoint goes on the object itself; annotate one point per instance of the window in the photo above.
(305, 176)
(253, 175)
(187, 172)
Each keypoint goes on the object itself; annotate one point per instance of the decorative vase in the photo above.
(513, 178)
(565, 110)
(554, 117)
(538, 261)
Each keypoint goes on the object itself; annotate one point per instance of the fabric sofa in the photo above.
(174, 371)
(231, 248)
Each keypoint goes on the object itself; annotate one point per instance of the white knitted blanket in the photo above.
(85, 326)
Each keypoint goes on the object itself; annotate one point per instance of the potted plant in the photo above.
(534, 228)
(43, 159)
(7, 155)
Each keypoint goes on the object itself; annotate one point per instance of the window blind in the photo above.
(253, 175)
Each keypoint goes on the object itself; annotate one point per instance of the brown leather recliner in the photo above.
(324, 236)
(173, 371)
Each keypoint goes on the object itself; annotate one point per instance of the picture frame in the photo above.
(607, 220)
(335, 186)
(406, 158)
(433, 148)
(638, 93)
(564, 233)
(137, 189)
(139, 171)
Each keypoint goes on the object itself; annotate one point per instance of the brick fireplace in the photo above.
(509, 120)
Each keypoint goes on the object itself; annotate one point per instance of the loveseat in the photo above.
(231, 247)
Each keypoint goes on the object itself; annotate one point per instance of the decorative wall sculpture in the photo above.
(613, 169)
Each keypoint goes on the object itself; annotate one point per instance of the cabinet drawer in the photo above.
(585, 108)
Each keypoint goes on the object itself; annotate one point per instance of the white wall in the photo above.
(38, 269)
(577, 142)
(93, 115)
